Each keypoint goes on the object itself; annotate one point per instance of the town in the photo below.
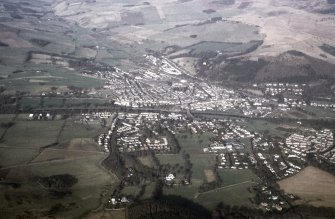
(234, 146)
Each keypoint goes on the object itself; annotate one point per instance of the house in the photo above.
(170, 177)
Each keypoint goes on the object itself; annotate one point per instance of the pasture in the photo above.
(32, 134)
(231, 177)
(74, 128)
(264, 127)
(232, 195)
(79, 157)
(312, 185)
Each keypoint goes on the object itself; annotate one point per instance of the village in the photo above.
(235, 147)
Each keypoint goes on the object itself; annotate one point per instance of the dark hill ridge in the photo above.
(291, 66)
(294, 66)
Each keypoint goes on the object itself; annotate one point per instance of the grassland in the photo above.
(237, 195)
(22, 157)
(117, 214)
(86, 194)
(32, 134)
(15, 156)
(74, 128)
(146, 160)
(264, 127)
(4, 119)
(316, 112)
(171, 159)
(313, 186)
(47, 76)
(194, 143)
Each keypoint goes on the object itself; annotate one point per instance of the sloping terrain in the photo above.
(291, 66)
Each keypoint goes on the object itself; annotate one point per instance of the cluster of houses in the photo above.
(322, 104)
(279, 88)
(116, 202)
(227, 146)
(290, 156)
(310, 141)
(40, 116)
(129, 133)
(161, 84)
(104, 139)
(270, 200)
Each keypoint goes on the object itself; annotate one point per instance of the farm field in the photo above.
(86, 194)
(264, 127)
(23, 160)
(146, 160)
(235, 195)
(23, 157)
(33, 134)
(231, 177)
(10, 155)
(193, 143)
(171, 159)
(117, 214)
(74, 128)
(4, 121)
(312, 185)
(47, 77)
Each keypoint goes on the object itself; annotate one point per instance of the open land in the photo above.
(108, 105)
(312, 186)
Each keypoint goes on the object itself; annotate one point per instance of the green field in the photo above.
(318, 112)
(200, 163)
(4, 119)
(47, 77)
(223, 47)
(86, 194)
(194, 143)
(15, 156)
(32, 134)
(236, 195)
(264, 127)
(183, 191)
(231, 177)
(75, 129)
(171, 159)
(18, 150)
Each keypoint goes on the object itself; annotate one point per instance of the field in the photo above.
(264, 127)
(146, 160)
(237, 195)
(210, 176)
(92, 182)
(74, 128)
(33, 134)
(47, 76)
(171, 159)
(231, 177)
(5, 118)
(194, 143)
(117, 214)
(22, 157)
(313, 186)
(17, 149)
